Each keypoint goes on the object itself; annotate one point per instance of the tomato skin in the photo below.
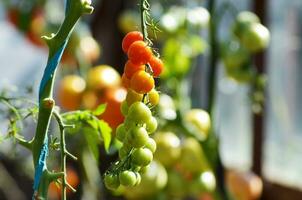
(131, 69)
(151, 125)
(139, 53)
(113, 98)
(153, 97)
(139, 112)
(120, 132)
(142, 82)
(70, 92)
(142, 156)
(111, 181)
(125, 81)
(137, 137)
(130, 38)
(103, 76)
(151, 145)
(157, 66)
(127, 178)
(132, 97)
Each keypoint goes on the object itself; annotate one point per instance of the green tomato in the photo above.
(142, 156)
(127, 178)
(139, 112)
(192, 156)
(111, 181)
(124, 108)
(137, 137)
(168, 148)
(123, 151)
(234, 55)
(151, 125)
(256, 37)
(151, 144)
(243, 20)
(121, 132)
(200, 121)
(138, 178)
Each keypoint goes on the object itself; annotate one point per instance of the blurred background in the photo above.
(268, 144)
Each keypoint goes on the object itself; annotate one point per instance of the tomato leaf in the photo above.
(99, 110)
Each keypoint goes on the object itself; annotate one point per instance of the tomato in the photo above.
(131, 68)
(111, 181)
(103, 76)
(127, 178)
(202, 183)
(124, 151)
(137, 137)
(130, 38)
(132, 97)
(89, 99)
(244, 185)
(139, 112)
(142, 156)
(70, 91)
(128, 21)
(152, 181)
(125, 81)
(256, 37)
(243, 20)
(200, 120)
(157, 65)
(151, 125)
(153, 97)
(176, 186)
(151, 144)
(234, 55)
(168, 148)
(139, 53)
(120, 132)
(113, 98)
(142, 82)
(192, 156)
(124, 107)
(138, 178)
(90, 49)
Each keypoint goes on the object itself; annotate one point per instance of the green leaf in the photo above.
(106, 134)
(99, 110)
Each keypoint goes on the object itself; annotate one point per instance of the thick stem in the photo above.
(143, 19)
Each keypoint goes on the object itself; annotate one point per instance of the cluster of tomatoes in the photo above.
(137, 150)
(250, 37)
(142, 65)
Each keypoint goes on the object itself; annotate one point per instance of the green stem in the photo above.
(76, 8)
(144, 9)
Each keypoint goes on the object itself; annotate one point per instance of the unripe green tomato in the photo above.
(242, 75)
(151, 125)
(121, 132)
(137, 136)
(200, 120)
(139, 112)
(111, 181)
(129, 123)
(256, 37)
(168, 148)
(151, 144)
(234, 55)
(123, 151)
(124, 108)
(243, 20)
(142, 156)
(127, 178)
(138, 178)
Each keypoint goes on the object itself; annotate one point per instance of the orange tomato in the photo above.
(142, 82)
(102, 77)
(70, 92)
(90, 49)
(89, 99)
(130, 38)
(131, 68)
(153, 97)
(139, 53)
(125, 81)
(113, 98)
(157, 66)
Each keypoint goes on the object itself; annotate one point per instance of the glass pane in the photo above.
(283, 149)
